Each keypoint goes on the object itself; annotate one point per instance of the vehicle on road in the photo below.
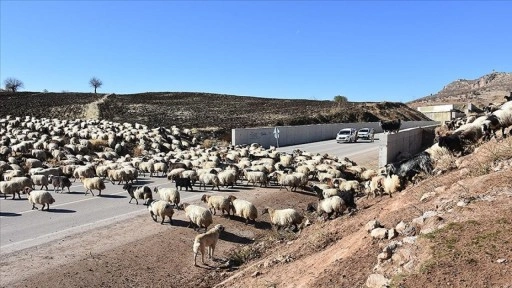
(347, 135)
(366, 134)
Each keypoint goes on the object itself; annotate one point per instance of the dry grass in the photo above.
(209, 143)
(97, 145)
(491, 154)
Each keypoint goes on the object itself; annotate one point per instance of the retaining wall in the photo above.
(293, 135)
(406, 142)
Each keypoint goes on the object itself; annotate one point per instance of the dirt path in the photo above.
(92, 111)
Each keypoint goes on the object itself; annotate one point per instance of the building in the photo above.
(442, 113)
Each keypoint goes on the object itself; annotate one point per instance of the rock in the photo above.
(429, 214)
(392, 246)
(409, 231)
(410, 239)
(502, 260)
(418, 221)
(427, 196)
(464, 172)
(379, 233)
(377, 281)
(372, 225)
(383, 256)
(462, 203)
(392, 233)
(256, 274)
(440, 189)
(400, 227)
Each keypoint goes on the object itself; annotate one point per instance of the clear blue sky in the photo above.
(367, 51)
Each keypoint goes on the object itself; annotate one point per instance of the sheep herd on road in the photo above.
(38, 152)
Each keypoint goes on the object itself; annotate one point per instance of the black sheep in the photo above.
(407, 169)
(184, 182)
(392, 126)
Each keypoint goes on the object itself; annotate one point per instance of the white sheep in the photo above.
(160, 167)
(227, 178)
(501, 118)
(198, 216)
(207, 240)
(244, 209)
(119, 175)
(284, 217)
(171, 195)
(290, 180)
(23, 181)
(215, 202)
(10, 187)
(95, 183)
(376, 185)
(332, 205)
(81, 171)
(191, 174)
(256, 177)
(41, 180)
(392, 184)
(209, 179)
(160, 208)
(39, 197)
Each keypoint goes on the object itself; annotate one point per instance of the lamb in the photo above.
(197, 215)
(207, 240)
(332, 205)
(168, 194)
(138, 192)
(244, 209)
(217, 202)
(160, 208)
(61, 182)
(10, 187)
(284, 218)
(41, 180)
(95, 183)
(39, 197)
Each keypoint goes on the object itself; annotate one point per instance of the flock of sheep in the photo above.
(38, 152)
(465, 134)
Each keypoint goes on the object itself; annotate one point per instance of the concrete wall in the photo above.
(292, 135)
(410, 141)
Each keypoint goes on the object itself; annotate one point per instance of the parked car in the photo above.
(347, 135)
(366, 134)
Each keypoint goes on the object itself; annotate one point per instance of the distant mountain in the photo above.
(490, 88)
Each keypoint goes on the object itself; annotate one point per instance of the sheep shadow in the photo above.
(230, 237)
(72, 192)
(58, 210)
(111, 196)
(9, 214)
(180, 223)
(143, 182)
(263, 225)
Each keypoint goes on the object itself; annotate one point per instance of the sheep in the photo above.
(168, 194)
(227, 178)
(346, 196)
(117, 175)
(61, 182)
(10, 187)
(284, 218)
(160, 167)
(197, 215)
(175, 173)
(23, 181)
(332, 205)
(39, 197)
(244, 209)
(409, 168)
(82, 171)
(209, 179)
(138, 192)
(392, 126)
(160, 208)
(391, 184)
(501, 118)
(95, 183)
(376, 185)
(184, 182)
(207, 240)
(256, 177)
(192, 174)
(40, 180)
(217, 202)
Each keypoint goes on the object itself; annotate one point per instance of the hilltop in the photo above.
(490, 88)
(213, 112)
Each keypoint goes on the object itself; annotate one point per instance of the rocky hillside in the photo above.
(215, 112)
(490, 88)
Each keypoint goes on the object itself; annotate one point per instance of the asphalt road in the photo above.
(21, 227)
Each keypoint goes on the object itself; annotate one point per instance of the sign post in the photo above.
(276, 135)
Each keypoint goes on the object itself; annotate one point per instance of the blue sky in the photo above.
(364, 50)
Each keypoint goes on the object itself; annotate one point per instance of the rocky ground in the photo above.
(449, 230)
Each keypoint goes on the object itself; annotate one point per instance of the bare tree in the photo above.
(96, 83)
(13, 84)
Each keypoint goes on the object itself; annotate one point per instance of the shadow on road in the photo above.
(111, 196)
(228, 236)
(9, 214)
(58, 210)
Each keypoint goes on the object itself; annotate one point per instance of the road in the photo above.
(21, 227)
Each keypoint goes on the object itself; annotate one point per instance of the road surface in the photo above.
(21, 227)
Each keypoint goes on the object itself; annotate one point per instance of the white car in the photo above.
(347, 135)
(366, 134)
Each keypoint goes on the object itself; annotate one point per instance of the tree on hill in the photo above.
(96, 83)
(340, 99)
(13, 84)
